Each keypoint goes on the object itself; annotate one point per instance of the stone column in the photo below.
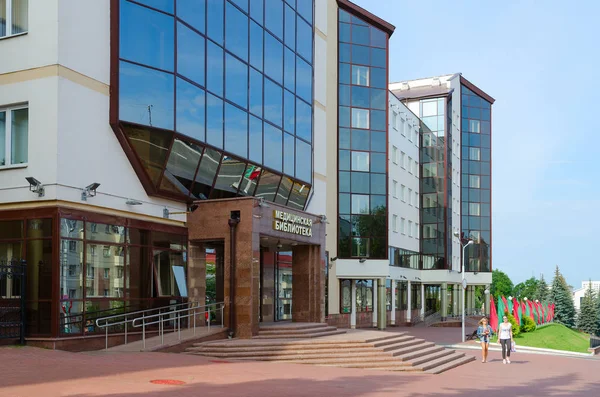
(393, 314)
(444, 301)
(455, 300)
(382, 317)
(422, 301)
(375, 293)
(307, 284)
(353, 313)
(487, 301)
(409, 303)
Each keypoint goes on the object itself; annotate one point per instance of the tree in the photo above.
(561, 296)
(527, 289)
(542, 293)
(587, 320)
(501, 284)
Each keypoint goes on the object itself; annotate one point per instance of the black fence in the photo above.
(594, 342)
(12, 299)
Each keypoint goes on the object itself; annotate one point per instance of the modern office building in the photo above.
(579, 293)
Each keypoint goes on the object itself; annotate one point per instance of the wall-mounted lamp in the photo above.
(331, 260)
(133, 202)
(89, 191)
(262, 203)
(362, 260)
(35, 186)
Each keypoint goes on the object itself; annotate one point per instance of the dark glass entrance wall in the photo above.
(476, 179)
(362, 138)
(214, 98)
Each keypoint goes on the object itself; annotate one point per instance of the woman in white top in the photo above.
(505, 335)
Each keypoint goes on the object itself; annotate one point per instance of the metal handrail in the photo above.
(127, 318)
(191, 312)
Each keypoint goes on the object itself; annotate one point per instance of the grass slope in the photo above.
(554, 336)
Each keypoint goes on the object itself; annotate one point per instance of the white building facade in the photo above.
(579, 293)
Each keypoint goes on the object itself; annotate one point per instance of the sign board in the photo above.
(292, 223)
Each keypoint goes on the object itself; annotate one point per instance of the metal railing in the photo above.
(123, 320)
(594, 342)
(159, 319)
(432, 318)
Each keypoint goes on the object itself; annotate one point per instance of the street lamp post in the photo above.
(464, 283)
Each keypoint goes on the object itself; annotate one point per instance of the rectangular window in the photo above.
(416, 230)
(13, 17)
(416, 138)
(474, 126)
(395, 223)
(416, 171)
(395, 154)
(402, 126)
(14, 127)
(475, 153)
(410, 229)
(409, 132)
(395, 188)
(474, 209)
(403, 193)
(403, 226)
(106, 273)
(410, 165)
(395, 120)
(403, 160)
(360, 118)
(416, 199)
(475, 181)
(360, 75)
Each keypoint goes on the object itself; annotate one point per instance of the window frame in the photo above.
(8, 110)
(9, 22)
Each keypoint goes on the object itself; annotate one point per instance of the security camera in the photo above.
(35, 186)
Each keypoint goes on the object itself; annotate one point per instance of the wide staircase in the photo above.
(319, 344)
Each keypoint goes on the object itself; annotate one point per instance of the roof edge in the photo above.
(373, 19)
(476, 90)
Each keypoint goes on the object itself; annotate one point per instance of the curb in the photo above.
(527, 350)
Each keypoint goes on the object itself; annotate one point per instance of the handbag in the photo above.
(513, 347)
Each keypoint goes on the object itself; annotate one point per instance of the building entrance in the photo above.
(276, 283)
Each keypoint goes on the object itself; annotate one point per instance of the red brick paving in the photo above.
(29, 372)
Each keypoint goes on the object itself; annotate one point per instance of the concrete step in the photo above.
(411, 348)
(391, 341)
(401, 368)
(401, 345)
(452, 364)
(430, 357)
(348, 360)
(284, 344)
(274, 351)
(335, 331)
(293, 327)
(419, 353)
(291, 356)
(288, 332)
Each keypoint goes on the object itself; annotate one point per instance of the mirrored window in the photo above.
(236, 32)
(289, 111)
(191, 107)
(304, 45)
(256, 93)
(268, 185)
(298, 196)
(190, 54)
(151, 148)
(273, 147)
(249, 180)
(236, 81)
(236, 130)
(273, 58)
(288, 154)
(71, 269)
(360, 118)
(214, 68)
(304, 80)
(181, 166)
(256, 45)
(215, 20)
(255, 140)
(290, 27)
(105, 266)
(256, 10)
(207, 171)
(274, 17)
(303, 120)
(193, 12)
(303, 161)
(229, 178)
(285, 187)
(214, 121)
(290, 70)
(273, 102)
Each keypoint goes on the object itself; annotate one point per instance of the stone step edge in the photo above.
(400, 345)
(432, 363)
(303, 336)
(291, 356)
(283, 343)
(298, 332)
(419, 353)
(430, 357)
(275, 352)
(294, 327)
(451, 365)
(410, 349)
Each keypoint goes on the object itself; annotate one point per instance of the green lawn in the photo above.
(554, 336)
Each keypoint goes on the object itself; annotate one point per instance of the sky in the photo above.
(540, 60)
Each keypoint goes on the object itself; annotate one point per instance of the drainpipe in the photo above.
(233, 222)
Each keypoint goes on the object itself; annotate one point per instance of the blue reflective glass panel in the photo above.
(236, 130)
(289, 111)
(378, 121)
(344, 138)
(142, 32)
(256, 92)
(378, 78)
(288, 154)
(214, 71)
(305, 8)
(344, 160)
(163, 5)
(378, 162)
(378, 57)
(243, 4)
(290, 28)
(344, 52)
(256, 46)
(360, 97)
(344, 95)
(344, 185)
(344, 32)
(343, 16)
(304, 80)
(190, 54)
(236, 81)
(289, 70)
(378, 38)
(344, 73)
(274, 17)
(303, 120)
(255, 141)
(236, 32)
(273, 58)
(214, 121)
(360, 54)
(303, 161)
(344, 201)
(146, 96)
(304, 40)
(273, 102)
(193, 12)
(344, 116)
(256, 10)
(378, 99)
(378, 141)
(378, 184)
(215, 18)
(360, 35)
(360, 182)
(360, 140)
(273, 147)
(191, 106)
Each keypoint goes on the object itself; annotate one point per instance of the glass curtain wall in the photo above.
(362, 139)
(404, 258)
(227, 81)
(476, 179)
(435, 151)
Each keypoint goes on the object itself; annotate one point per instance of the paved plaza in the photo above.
(29, 372)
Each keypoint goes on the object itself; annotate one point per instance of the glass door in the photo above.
(283, 286)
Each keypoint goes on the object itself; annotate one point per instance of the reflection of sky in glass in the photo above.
(273, 147)
(190, 54)
(288, 154)
(190, 110)
(193, 12)
(236, 131)
(303, 161)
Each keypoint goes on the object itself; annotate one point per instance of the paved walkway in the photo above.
(29, 372)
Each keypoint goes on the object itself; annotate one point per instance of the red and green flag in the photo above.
(493, 314)
(530, 310)
(504, 307)
(516, 311)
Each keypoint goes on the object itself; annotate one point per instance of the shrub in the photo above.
(515, 325)
(528, 324)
